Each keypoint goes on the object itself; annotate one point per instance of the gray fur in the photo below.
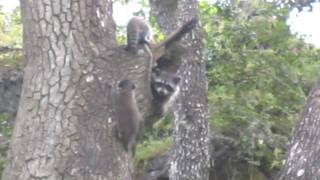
(129, 115)
(138, 32)
(165, 88)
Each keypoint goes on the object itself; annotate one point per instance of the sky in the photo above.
(8, 5)
(305, 24)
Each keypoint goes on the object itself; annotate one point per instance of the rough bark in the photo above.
(190, 153)
(67, 111)
(302, 162)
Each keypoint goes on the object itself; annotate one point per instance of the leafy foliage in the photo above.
(156, 141)
(5, 133)
(11, 37)
(150, 148)
(259, 75)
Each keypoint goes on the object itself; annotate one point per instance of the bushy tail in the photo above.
(132, 40)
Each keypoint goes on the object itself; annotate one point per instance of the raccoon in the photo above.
(164, 88)
(129, 115)
(164, 78)
(139, 32)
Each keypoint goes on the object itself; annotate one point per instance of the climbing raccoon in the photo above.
(165, 88)
(138, 32)
(129, 115)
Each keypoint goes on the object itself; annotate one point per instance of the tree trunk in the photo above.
(302, 162)
(67, 111)
(190, 158)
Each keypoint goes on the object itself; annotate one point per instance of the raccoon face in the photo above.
(164, 84)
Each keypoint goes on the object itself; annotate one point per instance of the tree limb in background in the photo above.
(6, 49)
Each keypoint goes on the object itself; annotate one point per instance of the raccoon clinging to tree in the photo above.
(165, 88)
(164, 62)
(139, 32)
(130, 119)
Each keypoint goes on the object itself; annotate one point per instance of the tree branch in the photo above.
(6, 49)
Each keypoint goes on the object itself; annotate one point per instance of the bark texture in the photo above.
(190, 153)
(67, 110)
(302, 162)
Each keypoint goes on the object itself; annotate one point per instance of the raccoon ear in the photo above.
(157, 71)
(120, 85)
(124, 83)
(176, 80)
